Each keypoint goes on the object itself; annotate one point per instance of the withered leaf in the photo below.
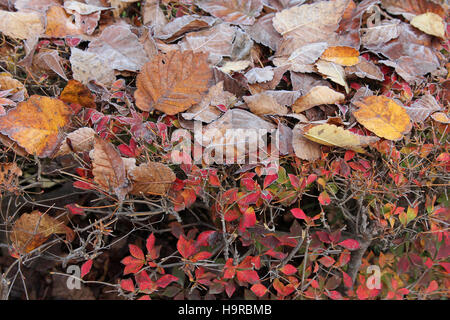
(21, 25)
(31, 230)
(411, 8)
(9, 176)
(302, 58)
(422, 108)
(263, 32)
(181, 25)
(151, 178)
(173, 82)
(76, 92)
(109, 169)
(430, 23)
(304, 148)
(37, 124)
(258, 75)
(262, 103)
(119, 48)
(80, 140)
(366, 69)
(345, 56)
(333, 71)
(233, 66)
(88, 66)
(383, 116)
(381, 33)
(317, 96)
(48, 59)
(60, 24)
(241, 12)
(17, 90)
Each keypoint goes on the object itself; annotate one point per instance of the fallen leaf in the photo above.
(317, 96)
(422, 108)
(381, 33)
(108, 169)
(302, 58)
(151, 178)
(80, 140)
(430, 23)
(153, 16)
(181, 25)
(88, 66)
(86, 15)
(35, 5)
(262, 103)
(334, 72)
(173, 82)
(60, 24)
(262, 31)
(76, 92)
(440, 117)
(411, 8)
(304, 148)
(119, 48)
(31, 230)
(241, 12)
(365, 69)
(21, 25)
(83, 8)
(234, 66)
(345, 56)
(284, 97)
(50, 60)
(37, 124)
(331, 135)
(259, 75)
(9, 177)
(18, 92)
(206, 110)
(303, 82)
(383, 116)
(217, 42)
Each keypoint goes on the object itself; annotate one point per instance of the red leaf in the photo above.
(249, 218)
(136, 252)
(349, 244)
(186, 248)
(327, 261)
(288, 269)
(250, 276)
(349, 154)
(150, 242)
(203, 238)
(165, 280)
(298, 213)
(258, 289)
(268, 180)
(127, 285)
(83, 185)
(282, 289)
(294, 181)
(347, 280)
(230, 288)
(231, 215)
(201, 256)
(324, 198)
(144, 282)
(432, 287)
(86, 267)
(75, 209)
(334, 295)
(323, 236)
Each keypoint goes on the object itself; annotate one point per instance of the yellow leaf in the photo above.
(430, 23)
(440, 117)
(345, 56)
(37, 124)
(383, 117)
(331, 135)
(317, 96)
(333, 71)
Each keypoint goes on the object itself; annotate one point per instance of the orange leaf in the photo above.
(173, 82)
(346, 56)
(60, 24)
(383, 116)
(36, 124)
(32, 229)
(76, 92)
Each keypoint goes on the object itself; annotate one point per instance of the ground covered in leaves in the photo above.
(260, 149)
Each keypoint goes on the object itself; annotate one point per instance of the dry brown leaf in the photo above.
(411, 8)
(383, 116)
(86, 15)
(333, 71)
(31, 230)
(366, 69)
(108, 169)
(119, 48)
(302, 58)
(310, 23)
(153, 16)
(76, 92)
(216, 41)
(21, 25)
(331, 135)
(172, 83)
(381, 33)
(263, 32)
(317, 96)
(430, 23)
(59, 24)
(18, 91)
(262, 103)
(88, 66)
(345, 56)
(305, 82)
(206, 110)
(422, 108)
(80, 140)
(48, 59)
(10, 144)
(304, 148)
(181, 25)
(83, 8)
(241, 12)
(259, 75)
(278, 73)
(151, 178)
(9, 177)
(35, 5)
(37, 124)
(284, 97)
(237, 86)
